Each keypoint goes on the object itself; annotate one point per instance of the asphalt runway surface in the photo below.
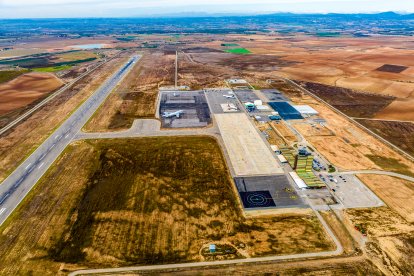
(18, 184)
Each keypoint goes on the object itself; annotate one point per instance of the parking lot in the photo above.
(352, 192)
(192, 108)
(267, 191)
(273, 95)
(222, 101)
(246, 95)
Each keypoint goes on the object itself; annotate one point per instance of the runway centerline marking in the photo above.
(2, 210)
(28, 166)
(41, 165)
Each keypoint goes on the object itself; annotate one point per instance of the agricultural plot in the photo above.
(50, 60)
(352, 103)
(238, 51)
(398, 133)
(141, 201)
(192, 108)
(6, 76)
(26, 89)
(390, 68)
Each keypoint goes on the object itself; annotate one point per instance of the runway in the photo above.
(15, 187)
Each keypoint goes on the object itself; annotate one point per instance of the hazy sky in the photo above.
(120, 8)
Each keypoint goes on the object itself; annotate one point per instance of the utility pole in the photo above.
(176, 69)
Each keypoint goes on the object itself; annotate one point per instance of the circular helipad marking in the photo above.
(257, 199)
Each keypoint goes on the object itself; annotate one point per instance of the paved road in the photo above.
(204, 264)
(48, 99)
(15, 188)
(406, 177)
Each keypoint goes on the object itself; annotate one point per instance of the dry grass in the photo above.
(396, 193)
(136, 96)
(149, 200)
(391, 239)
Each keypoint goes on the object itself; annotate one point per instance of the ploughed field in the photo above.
(25, 90)
(352, 103)
(400, 134)
(142, 201)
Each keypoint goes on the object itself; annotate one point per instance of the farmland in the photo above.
(127, 207)
(24, 138)
(26, 89)
(51, 59)
(398, 133)
(6, 76)
(238, 51)
(352, 103)
(396, 193)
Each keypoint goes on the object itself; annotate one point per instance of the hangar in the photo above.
(305, 110)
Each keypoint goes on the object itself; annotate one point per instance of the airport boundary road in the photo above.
(15, 187)
(398, 175)
(49, 98)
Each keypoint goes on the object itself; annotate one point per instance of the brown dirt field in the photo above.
(126, 207)
(401, 109)
(350, 102)
(26, 89)
(398, 133)
(274, 137)
(396, 193)
(24, 139)
(391, 239)
(285, 131)
(136, 96)
(308, 131)
(352, 148)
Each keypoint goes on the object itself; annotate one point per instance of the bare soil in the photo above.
(350, 102)
(26, 89)
(400, 134)
(395, 192)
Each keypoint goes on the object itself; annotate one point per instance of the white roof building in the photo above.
(305, 110)
(298, 181)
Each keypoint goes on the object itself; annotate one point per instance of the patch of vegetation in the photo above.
(53, 68)
(328, 34)
(238, 51)
(6, 76)
(390, 164)
(229, 45)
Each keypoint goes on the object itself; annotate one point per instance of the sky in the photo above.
(133, 8)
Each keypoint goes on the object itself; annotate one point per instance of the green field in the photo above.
(6, 76)
(238, 51)
(53, 68)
